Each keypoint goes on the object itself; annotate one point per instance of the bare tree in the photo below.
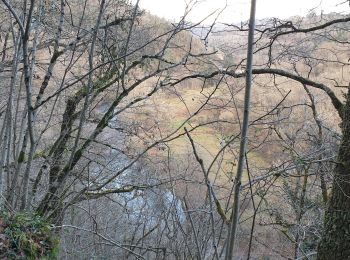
(123, 130)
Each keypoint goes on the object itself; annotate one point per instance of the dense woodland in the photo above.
(120, 134)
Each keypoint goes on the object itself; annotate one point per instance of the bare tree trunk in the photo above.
(7, 127)
(244, 132)
(300, 213)
(30, 116)
(68, 121)
(319, 144)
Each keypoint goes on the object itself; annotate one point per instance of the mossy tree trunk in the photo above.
(335, 242)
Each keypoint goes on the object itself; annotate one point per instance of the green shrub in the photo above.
(26, 236)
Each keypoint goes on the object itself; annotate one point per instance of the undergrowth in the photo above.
(26, 236)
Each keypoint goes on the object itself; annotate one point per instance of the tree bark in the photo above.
(335, 242)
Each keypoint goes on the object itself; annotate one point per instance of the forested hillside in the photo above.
(120, 134)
